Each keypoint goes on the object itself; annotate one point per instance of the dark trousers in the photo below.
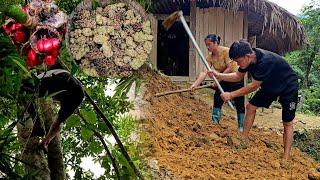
(63, 87)
(228, 87)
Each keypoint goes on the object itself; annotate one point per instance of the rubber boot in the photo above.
(216, 114)
(240, 121)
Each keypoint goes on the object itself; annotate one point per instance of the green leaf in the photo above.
(95, 147)
(106, 163)
(86, 133)
(21, 66)
(102, 127)
(89, 116)
(95, 4)
(73, 121)
(53, 94)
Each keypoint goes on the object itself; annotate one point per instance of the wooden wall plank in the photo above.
(237, 26)
(205, 30)
(192, 50)
(245, 26)
(220, 24)
(212, 21)
(199, 41)
(228, 28)
(203, 34)
(198, 18)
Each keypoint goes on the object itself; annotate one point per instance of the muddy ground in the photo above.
(184, 144)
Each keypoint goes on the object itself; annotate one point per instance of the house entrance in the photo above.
(173, 50)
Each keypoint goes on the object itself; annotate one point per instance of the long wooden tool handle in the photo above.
(181, 90)
(203, 59)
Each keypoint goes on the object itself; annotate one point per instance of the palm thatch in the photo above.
(276, 29)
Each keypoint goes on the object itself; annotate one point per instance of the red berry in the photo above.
(32, 55)
(55, 53)
(6, 28)
(32, 59)
(16, 27)
(50, 60)
(40, 45)
(31, 63)
(19, 37)
(47, 46)
(55, 43)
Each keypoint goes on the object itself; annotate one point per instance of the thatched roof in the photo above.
(276, 29)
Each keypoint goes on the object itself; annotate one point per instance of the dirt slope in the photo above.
(186, 144)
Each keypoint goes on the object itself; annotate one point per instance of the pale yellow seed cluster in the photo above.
(119, 40)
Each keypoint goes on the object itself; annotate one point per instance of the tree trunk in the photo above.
(31, 153)
(309, 66)
(52, 166)
(55, 158)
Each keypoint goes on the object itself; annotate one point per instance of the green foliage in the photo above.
(310, 19)
(312, 100)
(308, 142)
(16, 13)
(146, 4)
(306, 62)
(5, 4)
(12, 69)
(67, 5)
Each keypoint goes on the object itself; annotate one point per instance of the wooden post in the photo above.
(245, 36)
(154, 28)
(253, 41)
(192, 50)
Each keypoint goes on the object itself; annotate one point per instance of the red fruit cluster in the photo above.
(42, 50)
(51, 48)
(16, 31)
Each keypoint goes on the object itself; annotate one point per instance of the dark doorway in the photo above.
(173, 50)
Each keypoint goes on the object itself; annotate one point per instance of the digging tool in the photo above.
(169, 21)
(182, 90)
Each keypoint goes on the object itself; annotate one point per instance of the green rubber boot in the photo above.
(240, 121)
(216, 114)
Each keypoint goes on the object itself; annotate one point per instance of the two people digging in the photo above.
(218, 58)
(271, 74)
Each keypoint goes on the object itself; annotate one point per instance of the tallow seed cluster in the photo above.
(110, 41)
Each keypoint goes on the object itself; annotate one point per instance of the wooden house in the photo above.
(262, 23)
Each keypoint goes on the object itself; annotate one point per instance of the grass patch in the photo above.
(309, 142)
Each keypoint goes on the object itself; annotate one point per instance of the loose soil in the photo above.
(186, 144)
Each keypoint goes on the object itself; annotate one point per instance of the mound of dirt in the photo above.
(185, 144)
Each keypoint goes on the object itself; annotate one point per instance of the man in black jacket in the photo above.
(276, 79)
(66, 89)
